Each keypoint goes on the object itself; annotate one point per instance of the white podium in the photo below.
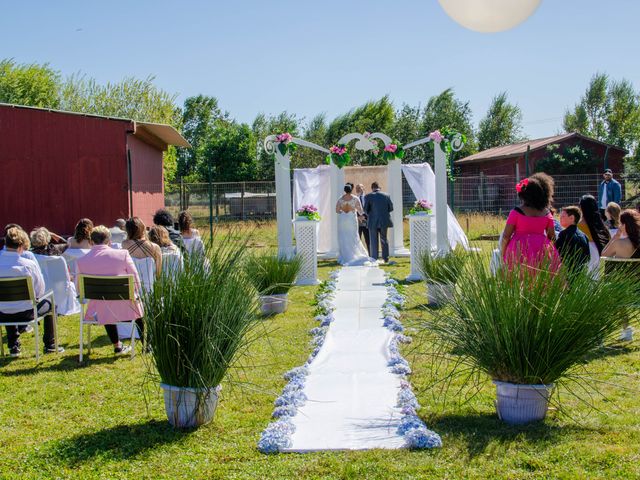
(306, 233)
(420, 242)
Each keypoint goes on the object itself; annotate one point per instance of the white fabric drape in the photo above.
(422, 181)
(312, 186)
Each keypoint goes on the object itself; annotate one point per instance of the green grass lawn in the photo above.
(62, 420)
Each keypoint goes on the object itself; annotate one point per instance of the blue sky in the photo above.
(329, 56)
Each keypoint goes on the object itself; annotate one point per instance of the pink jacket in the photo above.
(104, 260)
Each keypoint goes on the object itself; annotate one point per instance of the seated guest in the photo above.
(104, 260)
(185, 221)
(12, 264)
(139, 246)
(625, 244)
(118, 231)
(42, 243)
(26, 253)
(82, 235)
(572, 244)
(160, 236)
(612, 213)
(592, 226)
(164, 219)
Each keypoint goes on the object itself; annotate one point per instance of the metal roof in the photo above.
(517, 149)
(165, 133)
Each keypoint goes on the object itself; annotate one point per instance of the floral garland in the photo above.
(421, 206)
(285, 144)
(338, 155)
(412, 428)
(445, 137)
(310, 212)
(393, 151)
(277, 435)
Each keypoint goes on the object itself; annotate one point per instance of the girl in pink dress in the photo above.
(528, 236)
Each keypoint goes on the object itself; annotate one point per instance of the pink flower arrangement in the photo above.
(284, 138)
(338, 150)
(308, 211)
(421, 206)
(436, 136)
(392, 147)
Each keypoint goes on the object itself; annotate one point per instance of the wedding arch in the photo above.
(283, 145)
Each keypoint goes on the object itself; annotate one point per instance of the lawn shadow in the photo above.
(118, 443)
(478, 430)
(611, 350)
(66, 364)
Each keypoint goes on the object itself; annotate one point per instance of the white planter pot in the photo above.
(273, 304)
(189, 407)
(518, 404)
(440, 293)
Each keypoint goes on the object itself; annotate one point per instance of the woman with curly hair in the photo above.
(529, 233)
(81, 235)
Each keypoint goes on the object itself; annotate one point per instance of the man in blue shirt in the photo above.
(608, 191)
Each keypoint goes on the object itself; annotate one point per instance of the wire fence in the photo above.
(481, 193)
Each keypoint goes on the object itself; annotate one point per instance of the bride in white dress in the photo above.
(351, 250)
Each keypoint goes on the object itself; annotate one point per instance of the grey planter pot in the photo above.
(274, 304)
(440, 293)
(189, 407)
(519, 404)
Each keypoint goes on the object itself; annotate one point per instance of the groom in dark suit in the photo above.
(378, 207)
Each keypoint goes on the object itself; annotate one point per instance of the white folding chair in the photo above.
(57, 279)
(172, 263)
(71, 255)
(104, 288)
(20, 289)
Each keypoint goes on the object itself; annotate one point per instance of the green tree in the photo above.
(407, 128)
(568, 160)
(262, 127)
(589, 116)
(445, 110)
(200, 117)
(29, 84)
(502, 124)
(232, 153)
(316, 132)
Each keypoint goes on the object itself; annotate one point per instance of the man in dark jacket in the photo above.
(572, 244)
(163, 218)
(378, 207)
(609, 190)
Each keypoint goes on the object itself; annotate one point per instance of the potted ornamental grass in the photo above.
(273, 276)
(529, 329)
(440, 273)
(197, 321)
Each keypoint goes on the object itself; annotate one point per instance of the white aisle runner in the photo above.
(349, 397)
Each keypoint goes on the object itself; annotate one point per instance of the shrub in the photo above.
(272, 274)
(443, 269)
(531, 328)
(197, 319)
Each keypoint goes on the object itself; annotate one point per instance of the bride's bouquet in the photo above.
(310, 212)
(421, 207)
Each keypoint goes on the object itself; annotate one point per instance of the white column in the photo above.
(420, 242)
(283, 203)
(337, 189)
(306, 247)
(396, 237)
(441, 200)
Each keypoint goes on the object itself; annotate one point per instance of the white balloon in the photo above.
(489, 16)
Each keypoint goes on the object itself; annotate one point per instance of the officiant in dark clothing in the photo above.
(363, 231)
(378, 207)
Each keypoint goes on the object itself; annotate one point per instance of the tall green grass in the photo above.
(271, 274)
(529, 327)
(444, 269)
(197, 319)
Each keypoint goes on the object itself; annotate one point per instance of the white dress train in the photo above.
(351, 251)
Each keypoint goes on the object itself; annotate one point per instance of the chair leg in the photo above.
(81, 338)
(36, 329)
(55, 329)
(89, 340)
(134, 329)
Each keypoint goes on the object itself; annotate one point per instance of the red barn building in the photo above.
(513, 159)
(58, 167)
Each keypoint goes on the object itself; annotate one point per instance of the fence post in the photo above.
(182, 194)
(242, 201)
(481, 193)
(210, 204)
